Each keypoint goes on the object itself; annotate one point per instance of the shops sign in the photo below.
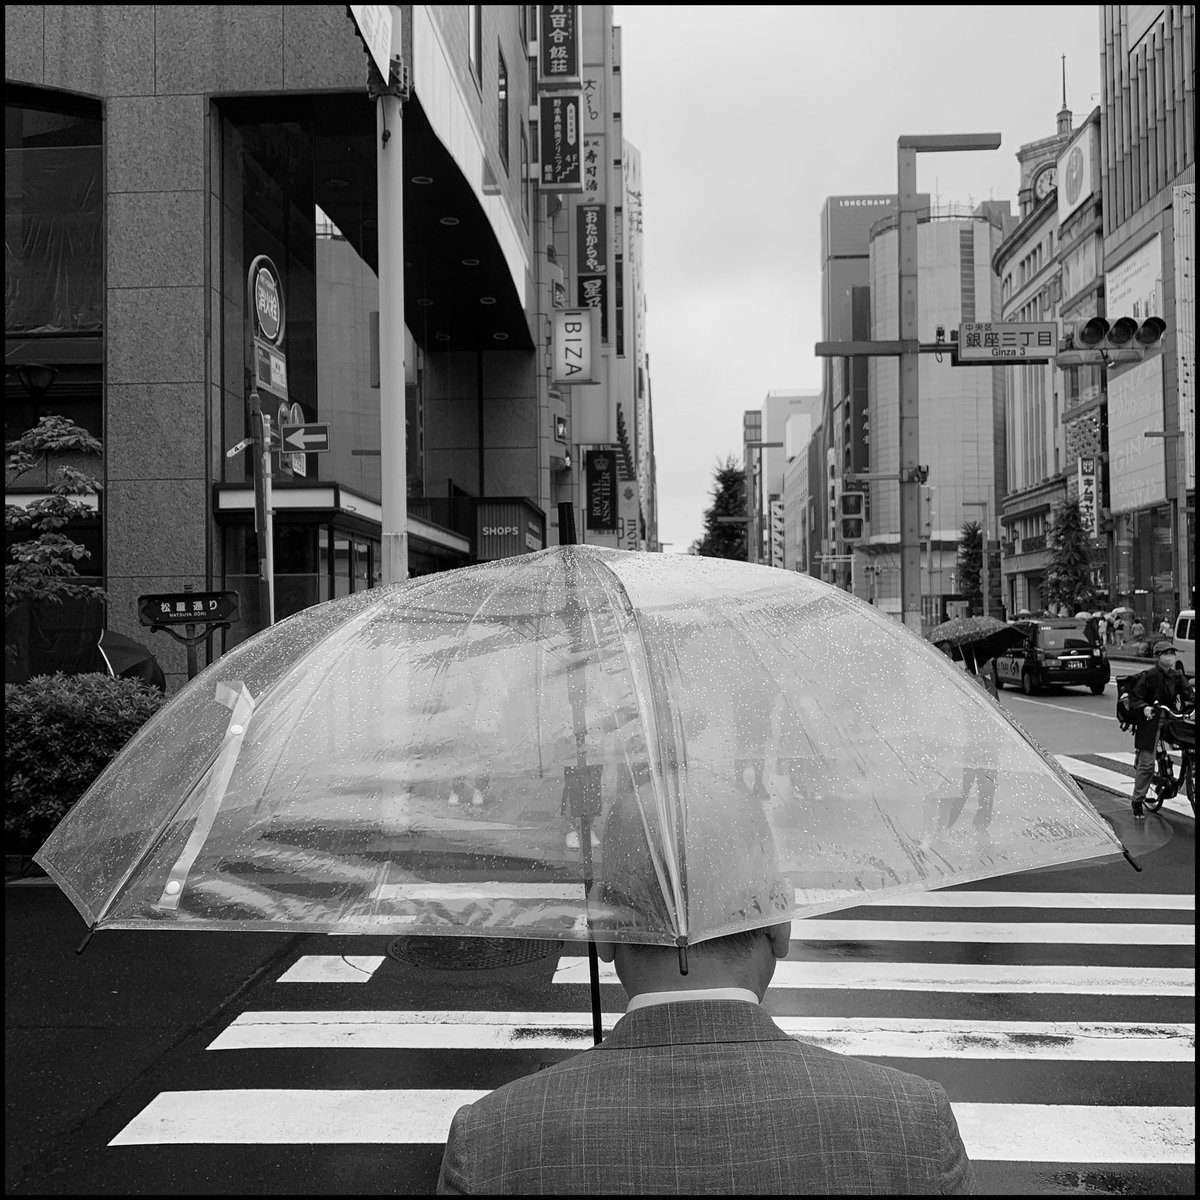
(1089, 511)
(268, 302)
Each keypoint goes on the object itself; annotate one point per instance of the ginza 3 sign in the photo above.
(576, 350)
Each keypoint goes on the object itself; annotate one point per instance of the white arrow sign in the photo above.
(310, 439)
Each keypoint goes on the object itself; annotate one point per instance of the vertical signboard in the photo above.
(574, 350)
(602, 490)
(590, 240)
(1183, 216)
(558, 44)
(561, 142)
(1135, 463)
(1089, 512)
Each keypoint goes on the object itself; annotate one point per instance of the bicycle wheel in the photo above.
(1161, 786)
(1189, 778)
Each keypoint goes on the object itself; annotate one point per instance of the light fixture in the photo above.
(424, 302)
(36, 378)
(487, 299)
(422, 179)
(442, 337)
(448, 220)
(470, 262)
(336, 181)
(500, 337)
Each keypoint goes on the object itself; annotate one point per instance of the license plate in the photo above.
(1076, 662)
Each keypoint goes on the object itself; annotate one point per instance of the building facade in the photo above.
(1147, 187)
(194, 140)
(1028, 265)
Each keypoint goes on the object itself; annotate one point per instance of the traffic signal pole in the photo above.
(264, 525)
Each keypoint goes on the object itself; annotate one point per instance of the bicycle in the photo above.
(1179, 731)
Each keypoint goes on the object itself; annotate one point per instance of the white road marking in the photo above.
(1096, 774)
(1077, 1133)
(332, 968)
(874, 1037)
(1075, 712)
(268, 1116)
(951, 977)
(1059, 933)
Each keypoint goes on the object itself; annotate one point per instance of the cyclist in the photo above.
(1159, 684)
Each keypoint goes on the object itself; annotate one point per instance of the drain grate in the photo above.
(469, 954)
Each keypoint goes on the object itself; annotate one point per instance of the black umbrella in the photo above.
(977, 638)
(126, 659)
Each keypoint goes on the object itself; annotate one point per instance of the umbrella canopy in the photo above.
(980, 638)
(736, 744)
(127, 659)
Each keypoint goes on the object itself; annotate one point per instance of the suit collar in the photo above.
(691, 1023)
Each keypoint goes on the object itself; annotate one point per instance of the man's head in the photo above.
(727, 873)
(742, 960)
(1165, 653)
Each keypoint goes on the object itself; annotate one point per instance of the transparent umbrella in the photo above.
(574, 744)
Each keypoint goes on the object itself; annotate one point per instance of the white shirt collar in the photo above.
(646, 999)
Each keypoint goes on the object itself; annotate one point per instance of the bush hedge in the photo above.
(60, 732)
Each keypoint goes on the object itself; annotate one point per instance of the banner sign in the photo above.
(602, 490)
(593, 167)
(559, 133)
(558, 44)
(575, 354)
(593, 294)
(1089, 510)
(592, 257)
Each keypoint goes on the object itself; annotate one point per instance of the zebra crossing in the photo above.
(1061, 1024)
(1113, 771)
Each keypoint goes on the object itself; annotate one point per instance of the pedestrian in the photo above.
(1165, 627)
(1137, 631)
(1159, 684)
(1119, 632)
(1091, 630)
(696, 1090)
(1105, 629)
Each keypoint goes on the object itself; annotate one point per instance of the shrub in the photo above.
(61, 731)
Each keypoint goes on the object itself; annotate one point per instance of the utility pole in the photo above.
(388, 90)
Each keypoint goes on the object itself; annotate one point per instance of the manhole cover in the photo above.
(468, 954)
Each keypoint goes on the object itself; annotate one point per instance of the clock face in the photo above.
(1043, 184)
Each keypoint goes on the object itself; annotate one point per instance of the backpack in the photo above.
(1124, 719)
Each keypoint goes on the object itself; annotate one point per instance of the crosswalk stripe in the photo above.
(1159, 982)
(1094, 774)
(873, 1037)
(404, 1116)
(333, 968)
(1059, 933)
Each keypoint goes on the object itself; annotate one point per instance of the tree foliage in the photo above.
(42, 567)
(1069, 575)
(728, 500)
(970, 564)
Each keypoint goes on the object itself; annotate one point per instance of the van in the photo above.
(1185, 640)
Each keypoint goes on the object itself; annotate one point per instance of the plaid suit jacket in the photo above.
(708, 1097)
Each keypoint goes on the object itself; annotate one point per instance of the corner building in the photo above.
(154, 152)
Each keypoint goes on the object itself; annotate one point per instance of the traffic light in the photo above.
(927, 512)
(1099, 341)
(852, 517)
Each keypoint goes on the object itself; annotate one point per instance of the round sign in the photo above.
(268, 307)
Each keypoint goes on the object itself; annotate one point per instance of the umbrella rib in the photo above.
(672, 885)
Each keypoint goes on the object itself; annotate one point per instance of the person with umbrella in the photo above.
(696, 1090)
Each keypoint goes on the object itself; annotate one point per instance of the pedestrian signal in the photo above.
(852, 517)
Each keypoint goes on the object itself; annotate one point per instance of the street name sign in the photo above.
(991, 343)
(187, 608)
(312, 438)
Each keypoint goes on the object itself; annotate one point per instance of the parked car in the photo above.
(1056, 651)
(1185, 640)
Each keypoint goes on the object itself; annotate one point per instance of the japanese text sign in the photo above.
(991, 343)
(559, 133)
(558, 44)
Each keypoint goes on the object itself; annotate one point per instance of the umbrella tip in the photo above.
(681, 942)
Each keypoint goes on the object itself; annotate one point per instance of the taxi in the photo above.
(1054, 652)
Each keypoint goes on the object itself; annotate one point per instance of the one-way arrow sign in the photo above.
(310, 439)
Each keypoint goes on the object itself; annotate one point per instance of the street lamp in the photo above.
(907, 149)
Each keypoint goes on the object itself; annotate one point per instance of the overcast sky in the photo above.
(746, 119)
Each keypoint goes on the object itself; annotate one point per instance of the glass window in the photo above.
(53, 214)
(502, 107)
(525, 188)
